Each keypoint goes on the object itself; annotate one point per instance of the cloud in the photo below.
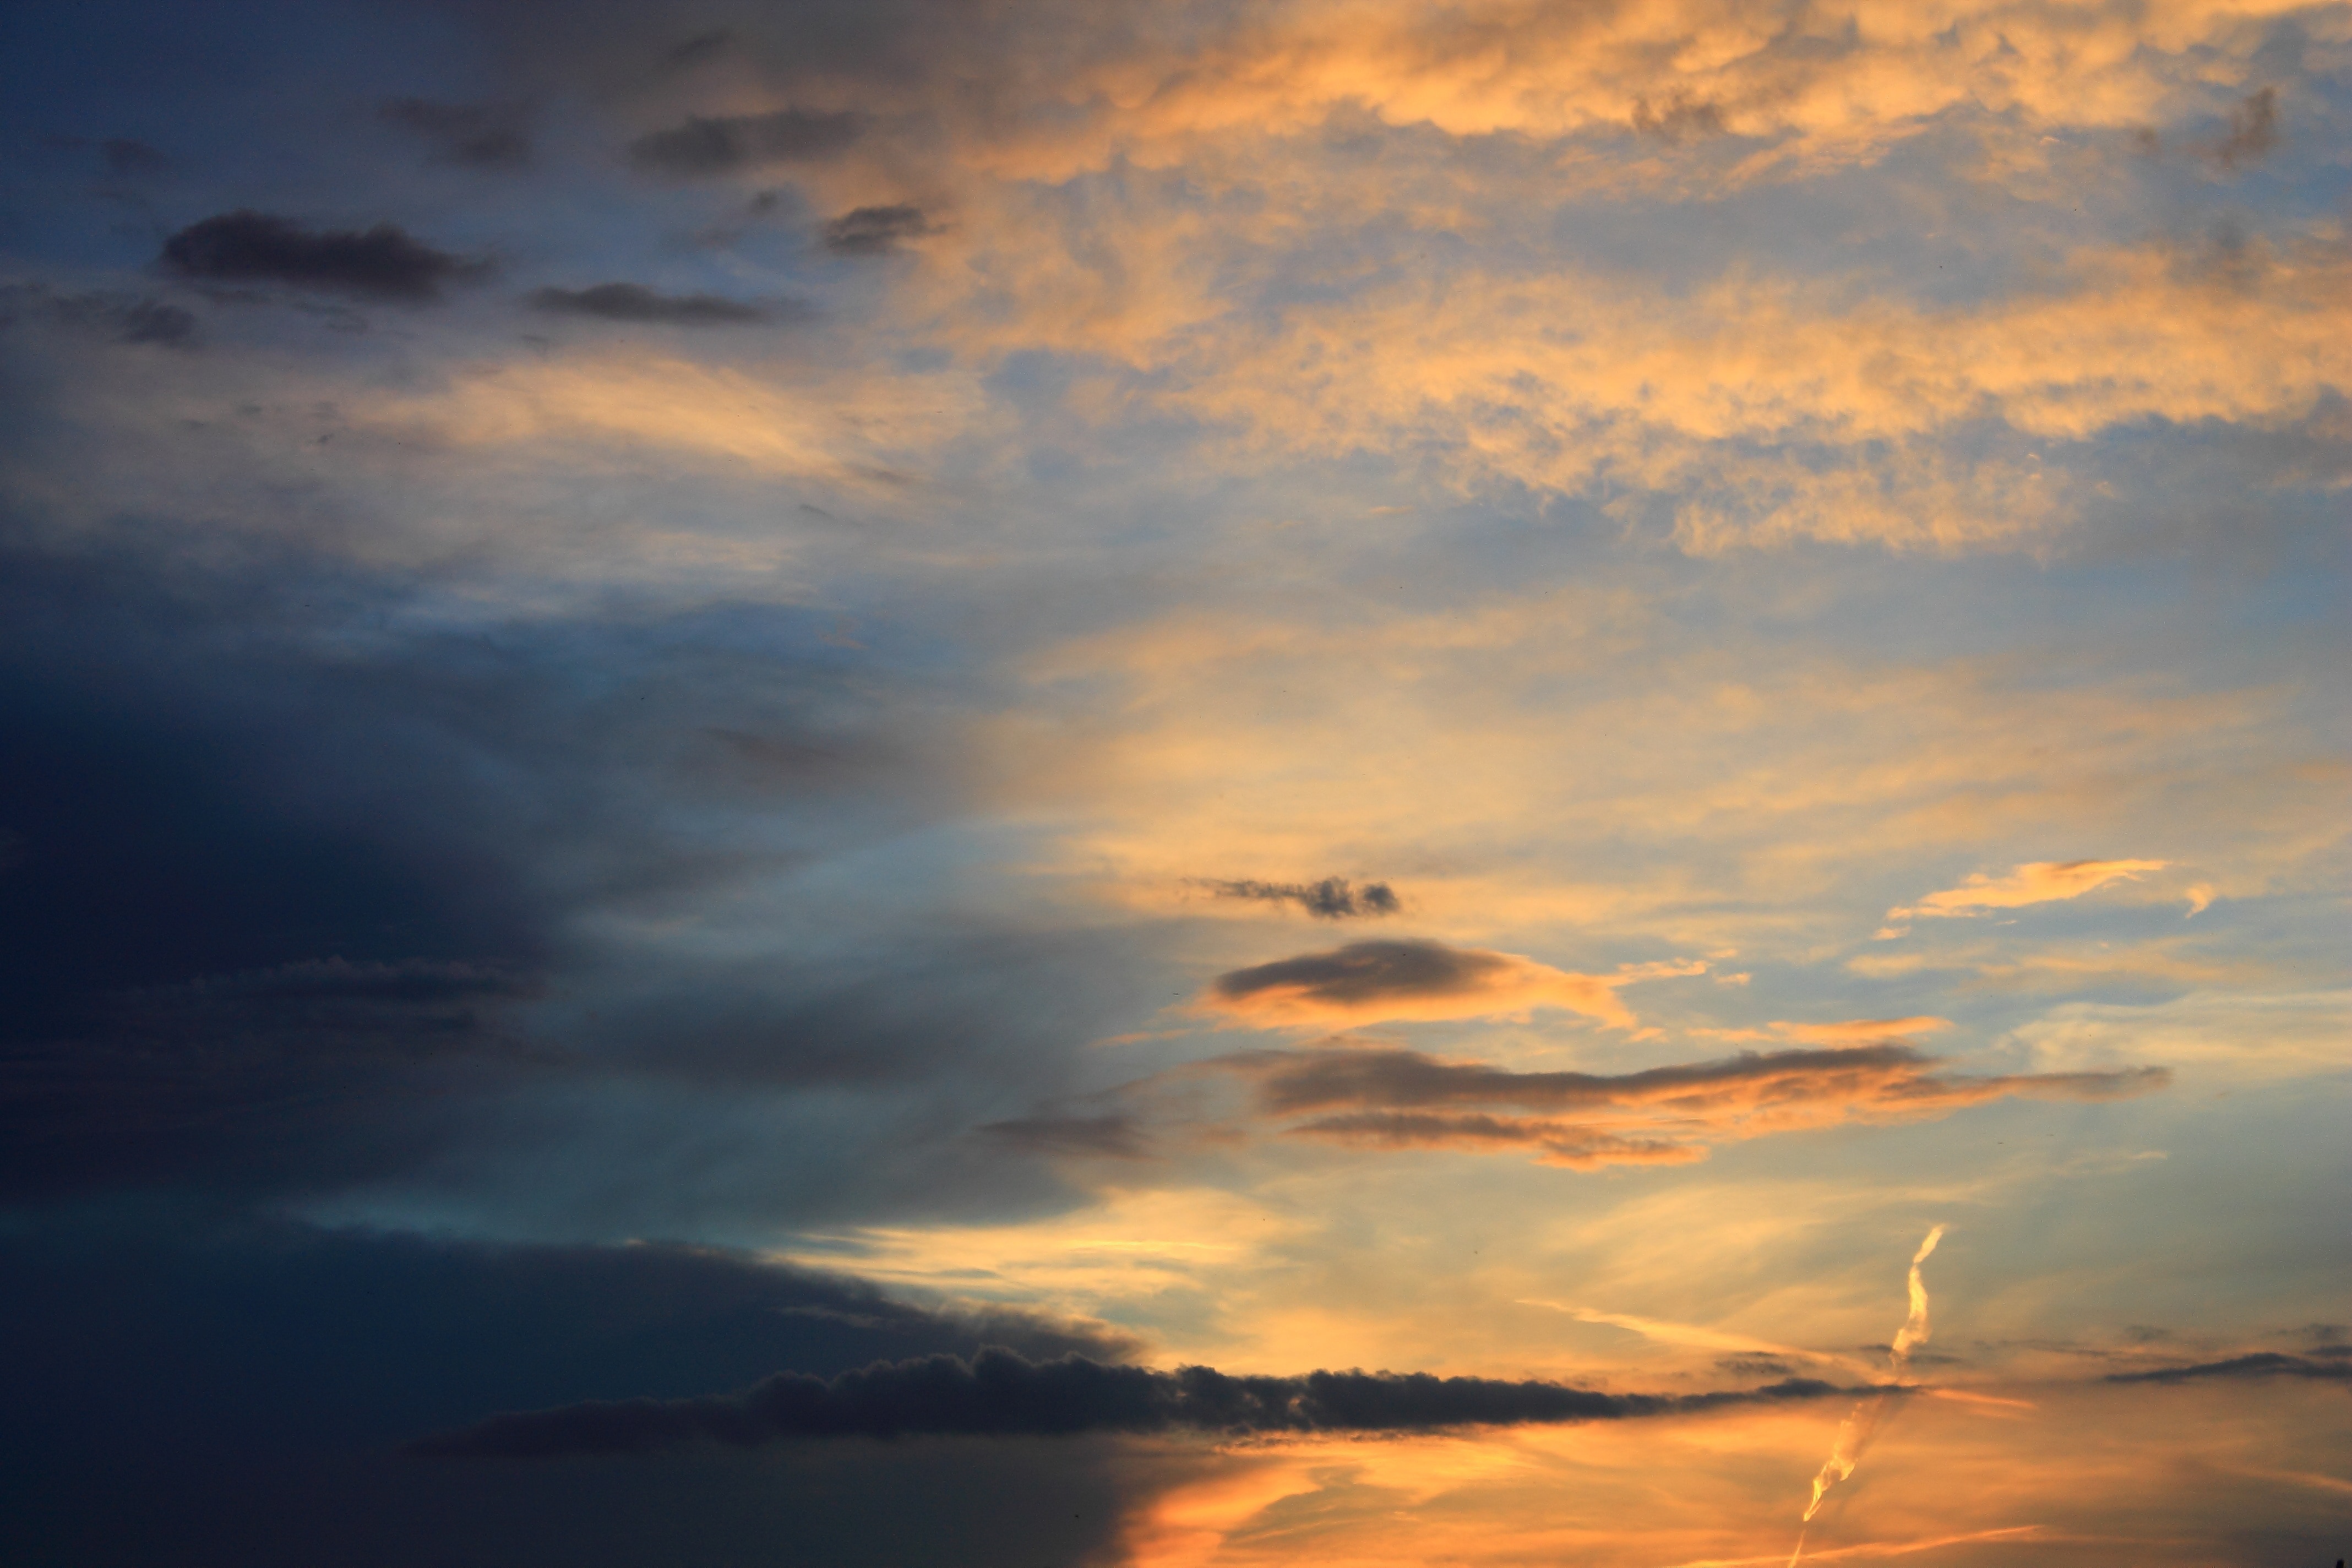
(722, 144)
(2253, 130)
(1667, 1115)
(127, 159)
(275, 1367)
(125, 317)
(383, 262)
(1332, 898)
(479, 135)
(1368, 981)
(2262, 1363)
(1112, 1135)
(1000, 1393)
(2036, 882)
(635, 302)
(875, 231)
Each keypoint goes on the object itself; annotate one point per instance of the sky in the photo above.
(1184, 784)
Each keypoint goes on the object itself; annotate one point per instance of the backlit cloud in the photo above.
(2038, 882)
(1366, 981)
(1404, 1100)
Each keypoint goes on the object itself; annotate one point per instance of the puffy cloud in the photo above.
(1404, 1100)
(384, 262)
(1369, 981)
(1000, 1393)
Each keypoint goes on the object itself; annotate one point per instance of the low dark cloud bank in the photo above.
(635, 302)
(246, 247)
(1000, 1392)
(721, 144)
(232, 1393)
(1332, 898)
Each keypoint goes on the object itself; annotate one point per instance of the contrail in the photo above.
(1854, 1433)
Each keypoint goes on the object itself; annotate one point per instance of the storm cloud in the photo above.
(246, 247)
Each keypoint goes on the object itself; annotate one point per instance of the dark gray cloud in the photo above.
(249, 1381)
(875, 231)
(1365, 972)
(125, 317)
(130, 160)
(2253, 130)
(477, 135)
(2320, 1366)
(697, 50)
(1332, 898)
(1113, 1135)
(635, 302)
(290, 898)
(999, 1393)
(247, 246)
(721, 144)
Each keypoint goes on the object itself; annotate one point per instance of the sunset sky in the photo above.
(1190, 784)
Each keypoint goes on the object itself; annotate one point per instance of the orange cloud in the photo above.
(1369, 982)
(1404, 1100)
(2037, 882)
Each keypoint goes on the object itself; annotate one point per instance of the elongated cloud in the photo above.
(384, 262)
(2036, 882)
(1000, 1393)
(1366, 981)
(1404, 1100)
(1332, 898)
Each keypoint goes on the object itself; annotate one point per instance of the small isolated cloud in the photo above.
(635, 302)
(129, 160)
(721, 144)
(125, 317)
(479, 135)
(2254, 130)
(1332, 898)
(1667, 1115)
(2200, 899)
(2036, 882)
(249, 247)
(999, 1394)
(876, 231)
(1366, 981)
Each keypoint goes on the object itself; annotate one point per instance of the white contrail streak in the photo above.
(1854, 1433)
